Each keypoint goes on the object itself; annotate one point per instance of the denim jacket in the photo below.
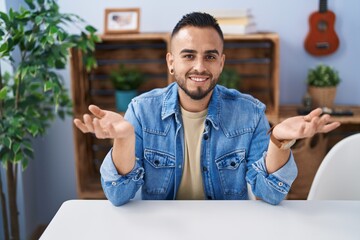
(233, 150)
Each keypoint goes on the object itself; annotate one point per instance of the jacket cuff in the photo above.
(110, 174)
(283, 177)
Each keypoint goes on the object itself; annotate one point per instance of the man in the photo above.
(195, 139)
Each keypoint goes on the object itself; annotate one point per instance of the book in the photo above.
(235, 21)
(238, 28)
(229, 13)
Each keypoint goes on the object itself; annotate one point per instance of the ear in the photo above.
(170, 62)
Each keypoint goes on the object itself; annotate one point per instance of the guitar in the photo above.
(321, 39)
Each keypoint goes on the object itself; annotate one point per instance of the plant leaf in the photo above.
(48, 86)
(16, 147)
(3, 92)
(90, 29)
(4, 17)
(7, 142)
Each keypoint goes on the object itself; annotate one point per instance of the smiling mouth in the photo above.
(199, 79)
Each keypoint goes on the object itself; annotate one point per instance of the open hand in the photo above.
(304, 126)
(105, 124)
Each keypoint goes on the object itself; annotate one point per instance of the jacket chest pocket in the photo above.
(232, 169)
(159, 171)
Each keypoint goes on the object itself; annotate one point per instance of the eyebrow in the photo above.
(207, 51)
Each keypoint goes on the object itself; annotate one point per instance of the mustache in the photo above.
(204, 73)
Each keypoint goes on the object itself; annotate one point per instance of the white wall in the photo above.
(51, 176)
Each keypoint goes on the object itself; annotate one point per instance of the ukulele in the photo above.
(321, 39)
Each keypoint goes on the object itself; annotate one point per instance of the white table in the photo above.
(197, 220)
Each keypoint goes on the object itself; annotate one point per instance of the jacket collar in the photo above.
(171, 106)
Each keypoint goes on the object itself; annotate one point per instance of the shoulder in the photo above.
(154, 103)
(239, 113)
(155, 95)
(234, 98)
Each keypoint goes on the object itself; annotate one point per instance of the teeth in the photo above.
(198, 79)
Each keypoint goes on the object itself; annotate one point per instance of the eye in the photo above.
(188, 56)
(210, 57)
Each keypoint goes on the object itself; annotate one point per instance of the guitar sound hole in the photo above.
(322, 26)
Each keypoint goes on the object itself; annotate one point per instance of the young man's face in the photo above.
(197, 60)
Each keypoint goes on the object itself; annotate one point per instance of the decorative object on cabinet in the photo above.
(321, 39)
(122, 20)
(126, 81)
(235, 21)
(230, 78)
(255, 57)
(322, 82)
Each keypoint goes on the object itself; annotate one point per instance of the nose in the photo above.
(200, 66)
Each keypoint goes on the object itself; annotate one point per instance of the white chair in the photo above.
(338, 177)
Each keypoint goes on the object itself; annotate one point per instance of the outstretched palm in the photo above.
(305, 126)
(104, 124)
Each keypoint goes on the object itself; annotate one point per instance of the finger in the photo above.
(98, 112)
(312, 127)
(314, 113)
(98, 130)
(79, 124)
(88, 122)
(324, 120)
(329, 127)
(315, 121)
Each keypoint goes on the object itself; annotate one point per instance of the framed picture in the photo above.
(122, 20)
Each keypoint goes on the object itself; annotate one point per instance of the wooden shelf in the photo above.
(287, 111)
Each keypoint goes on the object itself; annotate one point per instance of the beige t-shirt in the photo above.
(191, 186)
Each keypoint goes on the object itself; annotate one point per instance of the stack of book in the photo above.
(239, 21)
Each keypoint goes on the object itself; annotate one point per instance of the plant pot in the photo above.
(322, 96)
(123, 98)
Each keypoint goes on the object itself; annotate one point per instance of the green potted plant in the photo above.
(322, 82)
(126, 81)
(230, 78)
(34, 93)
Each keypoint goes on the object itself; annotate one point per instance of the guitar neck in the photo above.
(323, 6)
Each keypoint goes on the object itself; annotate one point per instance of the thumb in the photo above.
(98, 112)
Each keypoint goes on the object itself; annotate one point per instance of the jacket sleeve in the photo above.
(119, 189)
(271, 188)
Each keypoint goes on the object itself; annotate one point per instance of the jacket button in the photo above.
(205, 169)
(156, 162)
(233, 164)
(206, 137)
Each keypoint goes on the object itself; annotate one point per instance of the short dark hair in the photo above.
(198, 19)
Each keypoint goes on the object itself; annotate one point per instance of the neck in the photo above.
(192, 105)
(323, 6)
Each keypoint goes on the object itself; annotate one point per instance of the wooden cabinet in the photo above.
(254, 56)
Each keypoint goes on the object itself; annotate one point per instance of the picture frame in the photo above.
(122, 20)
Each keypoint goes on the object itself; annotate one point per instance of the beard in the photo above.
(199, 93)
